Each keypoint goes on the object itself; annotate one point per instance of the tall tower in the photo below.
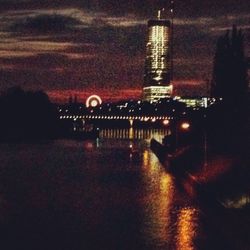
(157, 75)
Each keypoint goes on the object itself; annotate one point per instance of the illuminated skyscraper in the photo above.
(157, 76)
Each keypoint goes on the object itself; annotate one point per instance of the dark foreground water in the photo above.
(108, 194)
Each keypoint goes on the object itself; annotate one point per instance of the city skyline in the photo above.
(78, 47)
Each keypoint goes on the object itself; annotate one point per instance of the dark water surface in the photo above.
(107, 194)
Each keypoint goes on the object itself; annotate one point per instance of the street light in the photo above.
(185, 126)
(165, 122)
(180, 135)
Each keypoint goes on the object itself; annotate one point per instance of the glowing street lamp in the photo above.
(185, 125)
(165, 122)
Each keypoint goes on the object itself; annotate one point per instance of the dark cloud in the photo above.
(65, 44)
(187, 8)
(62, 71)
(129, 40)
(39, 61)
(100, 31)
(45, 24)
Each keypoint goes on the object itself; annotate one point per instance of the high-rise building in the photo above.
(157, 76)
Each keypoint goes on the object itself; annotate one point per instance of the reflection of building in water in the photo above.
(131, 133)
(145, 134)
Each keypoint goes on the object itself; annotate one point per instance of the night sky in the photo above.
(98, 47)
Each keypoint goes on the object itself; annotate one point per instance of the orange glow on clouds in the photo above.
(62, 96)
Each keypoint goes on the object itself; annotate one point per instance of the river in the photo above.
(110, 193)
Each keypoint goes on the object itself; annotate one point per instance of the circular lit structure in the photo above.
(93, 101)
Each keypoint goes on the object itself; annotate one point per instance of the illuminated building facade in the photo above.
(154, 93)
(157, 76)
(196, 103)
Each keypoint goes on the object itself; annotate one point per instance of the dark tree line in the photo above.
(230, 80)
(26, 116)
(229, 120)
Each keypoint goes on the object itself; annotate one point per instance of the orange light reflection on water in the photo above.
(187, 228)
(216, 167)
(159, 198)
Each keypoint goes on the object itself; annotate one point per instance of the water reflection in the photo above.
(169, 222)
(106, 194)
(239, 202)
(166, 221)
(131, 133)
(159, 211)
(187, 228)
(159, 191)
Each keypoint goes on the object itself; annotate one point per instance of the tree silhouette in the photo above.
(26, 116)
(228, 120)
(230, 68)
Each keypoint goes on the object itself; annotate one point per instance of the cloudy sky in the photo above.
(91, 46)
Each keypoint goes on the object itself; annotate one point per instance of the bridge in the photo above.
(116, 117)
(131, 118)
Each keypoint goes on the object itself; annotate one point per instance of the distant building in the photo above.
(199, 102)
(154, 93)
(157, 76)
